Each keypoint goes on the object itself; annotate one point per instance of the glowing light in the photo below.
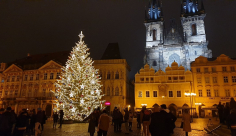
(107, 103)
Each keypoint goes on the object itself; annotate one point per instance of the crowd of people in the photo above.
(227, 115)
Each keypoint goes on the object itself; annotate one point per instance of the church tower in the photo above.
(175, 44)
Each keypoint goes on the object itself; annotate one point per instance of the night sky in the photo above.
(44, 26)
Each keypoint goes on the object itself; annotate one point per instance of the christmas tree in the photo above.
(78, 89)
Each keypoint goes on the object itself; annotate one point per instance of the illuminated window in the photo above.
(29, 93)
(170, 93)
(140, 94)
(227, 93)
(154, 93)
(147, 94)
(194, 29)
(216, 93)
(208, 93)
(214, 79)
(225, 79)
(200, 93)
(117, 91)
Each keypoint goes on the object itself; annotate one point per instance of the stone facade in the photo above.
(180, 44)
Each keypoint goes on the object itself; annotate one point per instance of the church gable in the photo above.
(51, 65)
(13, 68)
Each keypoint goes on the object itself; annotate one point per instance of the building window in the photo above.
(26, 77)
(16, 93)
(198, 70)
(37, 76)
(207, 80)
(181, 77)
(216, 93)
(51, 75)
(151, 78)
(194, 29)
(225, 79)
(214, 79)
(175, 78)
(13, 78)
(11, 93)
(147, 79)
(208, 93)
(154, 63)
(169, 78)
(234, 79)
(141, 79)
(140, 94)
(205, 70)
(170, 93)
(232, 69)
(224, 69)
(200, 93)
(18, 78)
(108, 75)
(227, 93)
(29, 93)
(31, 77)
(147, 94)
(213, 69)
(117, 91)
(35, 92)
(6, 93)
(108, 91)
(58, 75)
(178, 93)
(0, 93)
(45, 76)
(199, 80)
(117, 75)
(154, 35)
(8, 79)
(234, 93)
(154, 93)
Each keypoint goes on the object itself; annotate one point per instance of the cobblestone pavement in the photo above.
(81, 129)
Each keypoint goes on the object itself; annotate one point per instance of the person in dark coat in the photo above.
(44, 120)
(98, 113)
(92, 123)
(61, 117)
(221, 112)
(21, 123)
(159, 122)
(232, 122)
(4, 123)
(115, 118)
(11, 118)
(138, 120)
(171, 119)
(226, 113)
(120, 120)
(55, 119)
(32, 121)
(126, 120)
(232, 104)
(38, 121)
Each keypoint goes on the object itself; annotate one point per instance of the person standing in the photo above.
(226, 114)
(126, 119)
(186, 121)
(21, 123)
(146, 121)
(11, 119)
(232, 122)
(44, 120)
(61, 117)
(55, 119)
(220, 112)
(120, 120)
(138, 120)
(130, 120)
(92, 123)
(38, 121)
(4, 123)
(103, 124)
(115, 118)
(32, 121)
(232, 103)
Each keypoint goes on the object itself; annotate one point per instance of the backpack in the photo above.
(146, 115)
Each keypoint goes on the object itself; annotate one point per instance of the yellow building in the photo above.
(214, 81)
(27, 83)
(162, 87)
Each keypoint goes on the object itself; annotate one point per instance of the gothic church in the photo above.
(180, 44)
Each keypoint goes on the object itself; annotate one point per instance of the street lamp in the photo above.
(191, 95)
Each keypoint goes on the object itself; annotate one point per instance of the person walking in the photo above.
(38, 121)
(186, 121)
(55, 119)
(146, 121)
(232, 122)
(126, 120)
(21, 123)
(92, 123)
(115, 118)
(131, 116)
(103, 124)
(61, 117)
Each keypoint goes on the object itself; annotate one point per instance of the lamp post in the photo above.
(191, 95)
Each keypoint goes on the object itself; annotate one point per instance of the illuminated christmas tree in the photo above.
(79, 89)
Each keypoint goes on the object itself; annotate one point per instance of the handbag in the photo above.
(233, 126)
(182, 125)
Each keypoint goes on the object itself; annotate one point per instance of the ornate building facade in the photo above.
(27, 83)
(180, 44)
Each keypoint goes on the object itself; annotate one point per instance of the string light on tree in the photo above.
(77, 84)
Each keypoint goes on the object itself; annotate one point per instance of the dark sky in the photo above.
(43, 26)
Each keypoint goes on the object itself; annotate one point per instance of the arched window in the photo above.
(108, 75)
(194, 29)
(108, 91)
(154, 35)
(154, 63)
(117, 91)
(117, 75)
(195, 52)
